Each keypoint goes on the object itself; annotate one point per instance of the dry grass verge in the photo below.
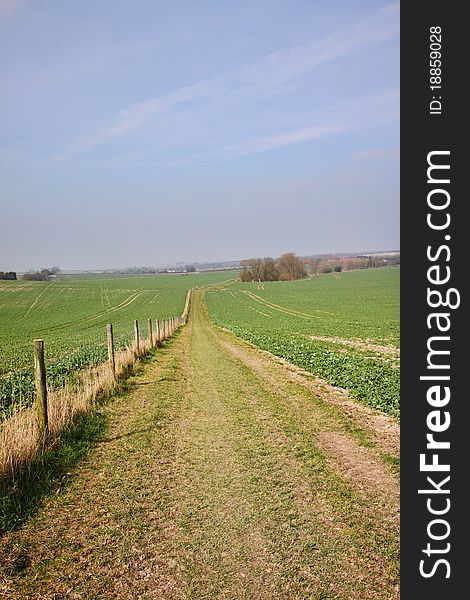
(23, 453)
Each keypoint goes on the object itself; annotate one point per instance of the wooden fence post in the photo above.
(184, 316)
(150, 333)
(41, 387)
(136, 336)
(157, 332)
(110, 337)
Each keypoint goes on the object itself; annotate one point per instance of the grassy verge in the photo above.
(29, 468)
(22, 493)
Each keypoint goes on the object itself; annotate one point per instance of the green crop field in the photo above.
(71, 314)
(342, 327)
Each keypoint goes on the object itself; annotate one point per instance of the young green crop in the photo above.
(71, 314)
(342, 327)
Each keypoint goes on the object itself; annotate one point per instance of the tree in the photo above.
(8, 275)
(268, 270)
(245, 273)
(290, 267)
(246, 270)
(287, 267)
(258, 269)
(43, 275)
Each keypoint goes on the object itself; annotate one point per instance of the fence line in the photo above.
(163, 330)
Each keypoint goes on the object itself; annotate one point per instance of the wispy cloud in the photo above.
(368, 154)
(270, 142)
(269, 76)
(369, 110)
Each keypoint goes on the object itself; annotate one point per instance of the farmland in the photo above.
(231, 473)
(341, 327)
(70, 314)
(221, 474)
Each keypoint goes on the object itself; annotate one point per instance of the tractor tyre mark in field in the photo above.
(35, 301)
(288, 311)
(99, 315)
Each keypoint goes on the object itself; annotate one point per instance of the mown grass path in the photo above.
(222, 475)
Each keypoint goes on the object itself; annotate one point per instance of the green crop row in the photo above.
(357, 313)
(374, 383)
(18, 388)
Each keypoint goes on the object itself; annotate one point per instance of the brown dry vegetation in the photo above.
(223, 474)
(20, 439)
(359, 344)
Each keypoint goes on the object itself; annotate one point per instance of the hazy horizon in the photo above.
(143, 133)
(196, 262)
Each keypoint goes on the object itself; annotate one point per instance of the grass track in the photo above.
(218, 477)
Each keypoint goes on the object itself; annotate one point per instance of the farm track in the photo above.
(224, 473)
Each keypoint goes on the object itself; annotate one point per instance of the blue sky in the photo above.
(142, 132)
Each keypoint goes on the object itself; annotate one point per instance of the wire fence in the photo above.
(65, 357)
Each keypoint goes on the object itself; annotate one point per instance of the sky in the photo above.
(146, 132)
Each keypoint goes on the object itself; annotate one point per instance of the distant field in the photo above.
(71, 313)
(343, 327)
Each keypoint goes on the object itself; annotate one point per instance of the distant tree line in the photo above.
(8, 275)
(285, 268)
(42, 275)
(153, 270)
(136, 270)
(289, 266)
(330, 264)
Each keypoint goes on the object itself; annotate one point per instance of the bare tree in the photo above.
(287, 267)
(290, 267)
